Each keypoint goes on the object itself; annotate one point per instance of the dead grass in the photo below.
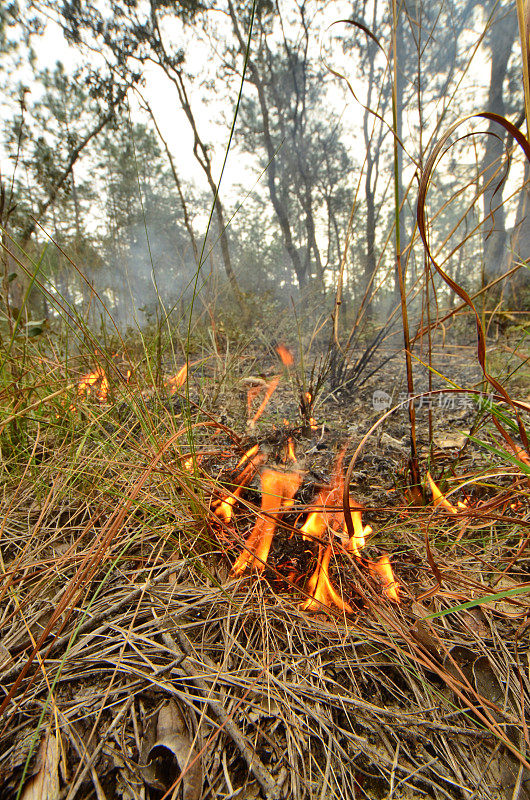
(116, 599)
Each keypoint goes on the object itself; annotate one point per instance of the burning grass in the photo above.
(182, 605)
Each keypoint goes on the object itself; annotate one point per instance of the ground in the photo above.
(136, 665)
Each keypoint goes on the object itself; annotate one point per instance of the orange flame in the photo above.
(224, 508)
(277, 492)
(89, 380)
(270, 389)
(103, 389)
(252, 393)
(320, 588)
(248, 455)
(177, 380)
(383, 570)
(327, 515)
(439, 499)
(290, 454)
(285, 355)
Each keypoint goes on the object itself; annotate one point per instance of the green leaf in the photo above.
(490, 598)
(503, 454)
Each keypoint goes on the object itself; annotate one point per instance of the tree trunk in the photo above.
(503, 35)
(277, 203)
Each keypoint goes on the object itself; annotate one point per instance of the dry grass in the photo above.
(116, 598)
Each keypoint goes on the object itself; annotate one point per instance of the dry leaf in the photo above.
(44, 784)
(5, 656)
(171, 755)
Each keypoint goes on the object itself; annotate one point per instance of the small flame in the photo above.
(319, 586)
(252, 459)
(248, 455)
(285, 355)
(252, 393)
(290, 455)
(270, 389)
(439, 499)
(177, 380)
(103, 389)
(277, 492)
(355, 543)
(89, 380)
(383, 570)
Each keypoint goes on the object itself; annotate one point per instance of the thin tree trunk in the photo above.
(277, 203)
(187, 220)
(502, 39)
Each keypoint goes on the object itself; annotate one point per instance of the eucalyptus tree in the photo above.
(132, 34)
(290, 120)
(145, 245)
(48, 141)
(505, 98)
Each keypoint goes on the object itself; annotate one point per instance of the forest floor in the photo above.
(135, 664)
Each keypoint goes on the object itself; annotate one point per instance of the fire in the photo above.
(277, 492)
(285, 354)
(325, 519)
(84, 387)
(103, 389)
(327, 516)
(177, 380)
(306, 407)
(439, 499)
(319, 587)
(252, 459)
(290, 454)
(383, 570)
(248, 455)
(270, 389)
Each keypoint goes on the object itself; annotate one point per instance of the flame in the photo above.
(84, 387)
(224, 508)
(290, 454)
(383, 570)
(270, 389)
(277, 492)
(355, 543)
(285, 355)
(320, 588)
(103, 389)
(248, 455)
(439, 499)
(327, 515)
(252, 393)
(177, 380)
